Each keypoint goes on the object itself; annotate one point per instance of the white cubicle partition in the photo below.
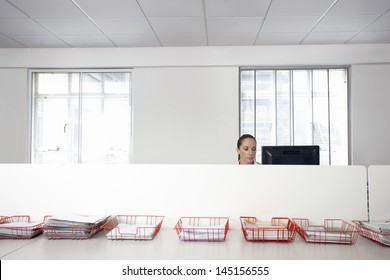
(379, 192)
(314, 192)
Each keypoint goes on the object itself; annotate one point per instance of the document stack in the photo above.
(19, 227)
(202, 228)
(279, 229)
(73, 226)
(132, 227)
(333, 231)
(376, 231)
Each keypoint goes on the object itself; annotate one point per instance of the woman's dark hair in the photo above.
(241, 139)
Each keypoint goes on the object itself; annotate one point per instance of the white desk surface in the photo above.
(9, 246)
(167, 246)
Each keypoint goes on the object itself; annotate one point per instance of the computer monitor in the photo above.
(305, 155)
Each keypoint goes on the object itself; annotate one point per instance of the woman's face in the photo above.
(247, 151)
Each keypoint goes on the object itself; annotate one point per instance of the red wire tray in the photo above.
(70, 232)
(334, 231)
(280, 229)
(132, 227)
(19, 227)
(380, 237)
(202, 228)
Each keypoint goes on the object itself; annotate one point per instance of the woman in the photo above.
(246, 149)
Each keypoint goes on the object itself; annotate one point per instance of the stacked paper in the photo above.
(202, 228)
(322, 234)
(13, 228)
(73, 226)
(380, 231)
(258, 231)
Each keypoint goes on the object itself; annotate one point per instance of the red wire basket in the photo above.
(132, 227)
(334, 231)
(280, 229)
(375, 234)
(202, 228)
(68, 231)
(19, 227)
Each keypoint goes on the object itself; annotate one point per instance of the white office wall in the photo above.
(185, 115)
(193, 65)
(370, 114)
(13, 115)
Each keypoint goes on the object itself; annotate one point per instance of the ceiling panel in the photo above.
(125, 26)
(40, 41)
(381, 24)
(234, 25)
(236, 8)
(289, 24)
(178, 25)
(172, 8)
(283, 8)
(9, 11)
(328, 38)
(232, 39)
(135, 40)
(280, 38)
(367, 37)
(359, 7)
(346, 24)
(70, 26)
(159, 23)
(6, 42)
(21, 27)
(53, 9)
(83, 41)
(187, 40)
(111, 8)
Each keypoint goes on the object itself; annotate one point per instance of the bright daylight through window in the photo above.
(297, 107)
(81, 117)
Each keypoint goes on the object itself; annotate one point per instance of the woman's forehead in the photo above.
(249, 142)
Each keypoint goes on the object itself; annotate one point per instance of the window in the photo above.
(297, 107)
(81, 117)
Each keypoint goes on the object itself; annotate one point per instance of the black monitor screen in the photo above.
(305, 155)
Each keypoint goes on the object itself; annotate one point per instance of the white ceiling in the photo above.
(158, 23)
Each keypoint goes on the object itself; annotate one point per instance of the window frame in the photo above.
(31, 100)
(291, 69)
